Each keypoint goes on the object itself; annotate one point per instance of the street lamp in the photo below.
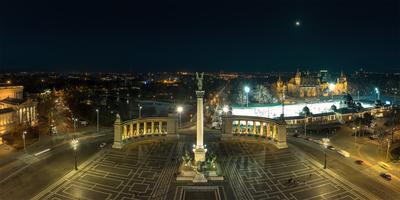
(305, 124)
(74, 144)
(332, 88)
(140, 110)
(247, 90)
(377, 93)
(179, 109)
(97, 113)
(325, 144)
(74, 121)
(23, 138)
(388, 148)
(225, 109)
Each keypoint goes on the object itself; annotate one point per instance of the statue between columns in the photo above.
(199, 81)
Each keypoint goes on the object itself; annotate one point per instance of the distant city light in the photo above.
(387, 102)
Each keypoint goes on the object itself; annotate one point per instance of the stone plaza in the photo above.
(252, 169)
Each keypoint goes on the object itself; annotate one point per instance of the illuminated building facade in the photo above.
(15, 110)
(307, 85)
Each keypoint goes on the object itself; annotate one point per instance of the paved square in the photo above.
(252, 170)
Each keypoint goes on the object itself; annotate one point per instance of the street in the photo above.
(49, 166)
(361, 176)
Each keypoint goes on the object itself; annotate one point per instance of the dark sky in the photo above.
(149, 35)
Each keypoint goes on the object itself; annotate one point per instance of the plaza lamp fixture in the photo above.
(377, 93)
(179, 109)
(332, 88)
(247, 90)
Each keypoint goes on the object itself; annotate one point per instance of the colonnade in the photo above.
(142, 128)
(259, 128)
(129, 130)
(274, 131)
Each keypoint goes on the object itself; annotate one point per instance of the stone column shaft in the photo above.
(200, 123)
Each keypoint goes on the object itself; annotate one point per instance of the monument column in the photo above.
(200, 123)
(199, 151)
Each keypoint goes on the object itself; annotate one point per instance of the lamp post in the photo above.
(23, 138)
(377, 93)
(97, 114)
(140, 110)
(74, 144)
(332, 88)
(305, 124)
(247, 90)
(225, 109)
(325, 147)
(355, 136)
(179, 109)
(388, 148)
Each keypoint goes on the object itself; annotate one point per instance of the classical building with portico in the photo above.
(15, 110)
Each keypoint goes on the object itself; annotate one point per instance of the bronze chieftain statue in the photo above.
(199, 81)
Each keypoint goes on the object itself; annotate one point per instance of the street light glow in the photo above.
(74, 143)
(246, 89)
(225, 109)
(332, 86)
(179, 109)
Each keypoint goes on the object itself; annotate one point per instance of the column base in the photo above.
(117, 145)
(199, 154)
(280, 145)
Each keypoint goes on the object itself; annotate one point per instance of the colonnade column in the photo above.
(137, 128)
(261, 128)
(152, 127)
(160, 126)
(131, 129)
(254, 127)
(247, 127)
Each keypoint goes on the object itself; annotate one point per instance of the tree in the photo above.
(262, 94)
(241, 98)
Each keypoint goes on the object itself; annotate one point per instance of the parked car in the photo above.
(102, 145)
(386, 176)
(360, 162)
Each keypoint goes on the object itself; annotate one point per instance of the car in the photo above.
(386, 176)
(330, 147)
(102, 145)
(296, 135)
(384, 165)
(344, 153)
(360, 162)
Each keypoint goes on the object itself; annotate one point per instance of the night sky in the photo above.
(149, 35)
